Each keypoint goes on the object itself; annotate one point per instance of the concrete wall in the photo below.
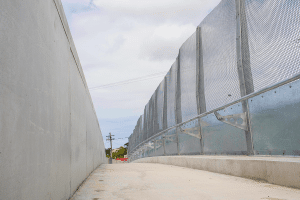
(50, 139)
(279, 170)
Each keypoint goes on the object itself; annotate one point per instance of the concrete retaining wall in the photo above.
(284, 171)
(50, 139)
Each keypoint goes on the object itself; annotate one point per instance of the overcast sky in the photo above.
(119, 40)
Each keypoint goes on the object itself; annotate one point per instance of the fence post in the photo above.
(145, 124)
(151, 116)
(178, 115)
(243, 65)
(163, 139)
(142, 129)
(155, 118)
(200, 92)
(154, 141)
(177, 135)
(139, 131)
(165, 108)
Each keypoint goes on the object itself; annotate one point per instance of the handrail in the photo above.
(263, 90)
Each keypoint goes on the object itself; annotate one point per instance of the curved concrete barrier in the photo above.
(284, 171)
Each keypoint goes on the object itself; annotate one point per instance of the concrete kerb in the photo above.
(284, 171)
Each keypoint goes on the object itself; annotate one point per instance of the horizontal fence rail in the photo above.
(232, 89)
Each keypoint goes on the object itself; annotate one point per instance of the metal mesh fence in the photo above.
(218, 31)
(274, 40)
(171, 92)
(241, 47)
(138, 131)
(133, 138)
(159, 106)
(142, 128)
(188, 78)
(151, 116)
(146, 118)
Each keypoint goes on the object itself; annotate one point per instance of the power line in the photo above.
(143, 78)
(151, 76)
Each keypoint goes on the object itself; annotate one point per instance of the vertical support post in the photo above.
(148, 120)
(138, 131)
(154, 141)
(153, 113)
(150, 133)
(145, 125)
(164, 145)
(165, 108)
(177, 135)
(243, 65)
(147, 151)
(134, 137)
(155, 118)
(200, 92)
(142, 129)
(178, 115)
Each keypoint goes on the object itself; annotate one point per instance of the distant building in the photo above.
(117, 149)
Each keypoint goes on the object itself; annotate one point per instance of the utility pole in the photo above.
(109, 138)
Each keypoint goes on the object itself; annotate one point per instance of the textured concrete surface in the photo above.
(157, 181)
(50, 139)
(284, 171)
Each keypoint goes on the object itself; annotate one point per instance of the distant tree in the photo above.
(120, 153)
(107, 151)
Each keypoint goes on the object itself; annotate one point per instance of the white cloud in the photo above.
(121, 40)
(85, 2)
(154, 6)
(165, 41)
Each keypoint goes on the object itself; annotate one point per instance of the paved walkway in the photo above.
(159, 182)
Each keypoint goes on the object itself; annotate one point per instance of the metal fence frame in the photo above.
(245, 84)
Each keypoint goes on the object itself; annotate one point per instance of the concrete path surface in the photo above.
(157, 181)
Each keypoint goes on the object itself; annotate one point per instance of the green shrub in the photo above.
(120, 153)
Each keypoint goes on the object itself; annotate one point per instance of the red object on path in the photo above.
(122, 159)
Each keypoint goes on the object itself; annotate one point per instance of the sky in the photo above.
(125, 49)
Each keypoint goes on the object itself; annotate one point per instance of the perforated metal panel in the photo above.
(146, 118)
(274, 40)
(160, 106)
(189, 138)
(221, 138)
(134, 138)
(151, 115)
(159, 146)
(275, 121)
(268, 51)
(141, 128)
(138, 132)
(219, 55)
(170, 139)
(188, 78)
(171, 89)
